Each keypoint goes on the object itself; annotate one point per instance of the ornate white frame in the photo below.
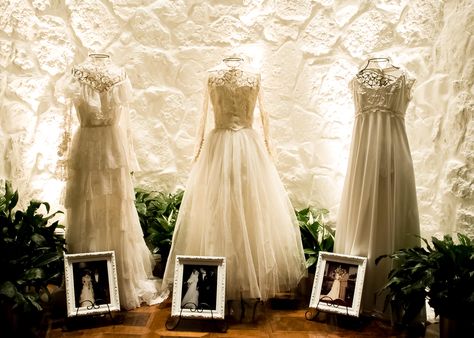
(176, 309)
(69, 260)
(324, 259)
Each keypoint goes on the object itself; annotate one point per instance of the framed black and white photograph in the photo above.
(199, 287)
(338, 283)
(91, 283)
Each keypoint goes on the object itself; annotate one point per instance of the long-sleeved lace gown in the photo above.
(235, 204)
(378, 212)
(99, 199)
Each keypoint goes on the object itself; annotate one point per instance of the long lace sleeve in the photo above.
(202, 124)
(124, 94)
(67, 91)
(265, 123)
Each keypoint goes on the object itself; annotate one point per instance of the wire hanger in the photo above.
(378, 60)
(99, 55)
(233, 61)
(377, 76)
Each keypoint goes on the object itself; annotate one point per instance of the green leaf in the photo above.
(8, 289)
(38, 239)
(311, 261)
(34, 273)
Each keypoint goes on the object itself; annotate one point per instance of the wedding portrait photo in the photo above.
(91, 283)
(338, 283)
(199, 287)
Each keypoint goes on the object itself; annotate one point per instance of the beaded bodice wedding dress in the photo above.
(378, 212)
(101, 214)
(235, 204)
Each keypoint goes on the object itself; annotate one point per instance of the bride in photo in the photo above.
(334, 293)
(87, 292)
(191, 297)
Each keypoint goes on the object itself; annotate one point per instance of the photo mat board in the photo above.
(338, 283)
(199, 287)
(91, 283)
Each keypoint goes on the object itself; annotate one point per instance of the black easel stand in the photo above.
(196, 324)
(93, 319)
(341, 320)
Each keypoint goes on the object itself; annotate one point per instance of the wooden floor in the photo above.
(268, 321)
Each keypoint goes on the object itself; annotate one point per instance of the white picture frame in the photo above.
(205, 275)
(91, 283)
(338, 283)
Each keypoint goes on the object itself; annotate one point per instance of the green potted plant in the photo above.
(158, 212)
(31, 258)
(442, 272)
(316, 234)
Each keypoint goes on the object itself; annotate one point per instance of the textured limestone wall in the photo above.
(307, 52)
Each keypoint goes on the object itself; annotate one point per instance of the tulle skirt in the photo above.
(378, 212)
(101, 214)
(235, 206)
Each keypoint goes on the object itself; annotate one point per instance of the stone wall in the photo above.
(307, 52)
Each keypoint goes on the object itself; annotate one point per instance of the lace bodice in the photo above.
(233, 95)
(98, 94)
(391, 98)
(95, 106)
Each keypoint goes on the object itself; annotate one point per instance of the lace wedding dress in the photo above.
(99, 199)
(378, 212)
(235, 204)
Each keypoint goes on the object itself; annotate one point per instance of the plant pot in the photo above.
(454, 328)
(305, 287)
(15, 323)
(160, 265)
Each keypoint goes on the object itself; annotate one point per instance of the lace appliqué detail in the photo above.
(97, 77)
(233, 78)
(375, 78)
(61, 165)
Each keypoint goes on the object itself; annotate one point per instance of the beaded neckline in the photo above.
(386, 86)
(101, 76)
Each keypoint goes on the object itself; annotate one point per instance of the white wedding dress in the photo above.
(191, 297)
(99, 201)
(86, 297)
(235, 204)
(378, 212)
(335, 289)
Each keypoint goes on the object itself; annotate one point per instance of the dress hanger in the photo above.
(233, 61)
(99, 55)
(376, 75)
(378, 61)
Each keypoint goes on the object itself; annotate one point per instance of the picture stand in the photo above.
(196, 324)
(91, 320)
(313, 313)
(341, 320)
